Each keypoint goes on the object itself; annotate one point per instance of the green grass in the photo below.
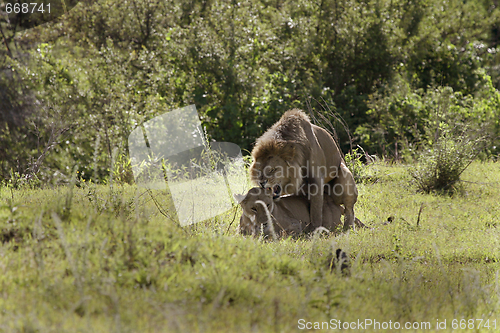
(92, 259)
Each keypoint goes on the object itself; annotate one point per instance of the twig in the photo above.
(269, 219)
(419, 213)
(478, 183)
(163, 212)
(333, 132)
(54, 135)
(234, 217)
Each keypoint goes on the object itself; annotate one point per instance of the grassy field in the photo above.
(106, 259)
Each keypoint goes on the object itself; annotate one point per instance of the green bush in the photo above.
(410, 118)
(361, 172)
(439, 167)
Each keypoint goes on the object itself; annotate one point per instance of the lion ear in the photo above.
(239, 197)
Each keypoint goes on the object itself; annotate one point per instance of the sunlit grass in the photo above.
(126, 266)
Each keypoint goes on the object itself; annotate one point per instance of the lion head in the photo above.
(280, 155)
(278, 166)
(257, 206)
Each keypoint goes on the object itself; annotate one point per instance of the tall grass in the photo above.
(114, 263)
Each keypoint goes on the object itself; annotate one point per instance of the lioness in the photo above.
(297, 157)
(289, 214)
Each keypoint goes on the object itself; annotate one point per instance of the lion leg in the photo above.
(247, 226)
(315, 192)
(350, 195)
(349, 218)
(344, 192)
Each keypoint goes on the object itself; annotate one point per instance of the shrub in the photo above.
(361, 172)
(439, 168)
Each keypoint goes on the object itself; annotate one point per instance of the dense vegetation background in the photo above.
(400, 73)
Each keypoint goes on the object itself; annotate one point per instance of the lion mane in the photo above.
(296, 157)
(286, 139)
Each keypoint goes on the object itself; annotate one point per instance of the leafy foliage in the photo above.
(412, 119)
(110, 65)
(360, 171)
(440, 167)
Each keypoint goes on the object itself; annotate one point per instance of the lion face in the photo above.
(257, 206)
(277, 174)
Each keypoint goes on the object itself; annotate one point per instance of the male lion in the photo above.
(289, 214)
(297, 157)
